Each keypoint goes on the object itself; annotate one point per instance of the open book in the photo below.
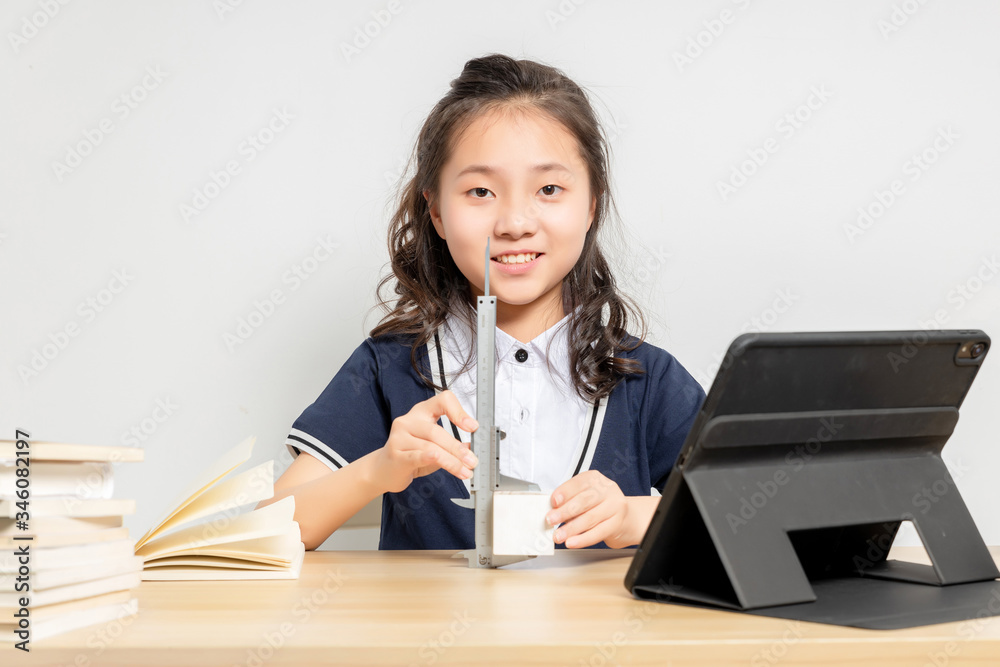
(259, 544)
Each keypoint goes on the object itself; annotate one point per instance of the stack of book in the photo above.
(204, 534)
(66, 560)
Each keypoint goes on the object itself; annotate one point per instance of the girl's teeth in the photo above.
(518, 259)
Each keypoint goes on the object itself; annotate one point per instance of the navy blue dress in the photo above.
(646, 420)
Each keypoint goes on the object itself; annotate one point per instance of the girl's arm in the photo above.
(325, 499)
(637, 520)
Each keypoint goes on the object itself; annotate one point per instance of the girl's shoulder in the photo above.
(390, 342)
(649, 355)
(661, 370)
(395, 357)
(388, 351)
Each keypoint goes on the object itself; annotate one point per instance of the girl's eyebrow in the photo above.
(490, 171)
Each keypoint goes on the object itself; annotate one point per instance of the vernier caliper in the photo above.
(486, 477)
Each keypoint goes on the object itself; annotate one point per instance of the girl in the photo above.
(514, 154)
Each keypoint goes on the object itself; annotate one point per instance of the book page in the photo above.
(47, 579)
(212, 561)
(211, 474)
(69, 506)
(59, 608)
(57, 540)
(62, 451)
(248, 487)
(266, 521)
(74, 591)
(45, 525)
(277, 550)
(58, 557)
(60, 478)
(196, 573)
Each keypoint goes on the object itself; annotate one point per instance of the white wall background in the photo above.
(896, 73)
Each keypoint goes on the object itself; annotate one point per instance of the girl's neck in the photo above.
(528, 321)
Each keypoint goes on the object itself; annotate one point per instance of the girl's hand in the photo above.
(418, 445)
(592, 509)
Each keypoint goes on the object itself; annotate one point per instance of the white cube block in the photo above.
(519, 525)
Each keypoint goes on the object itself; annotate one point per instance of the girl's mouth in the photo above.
(516, 263)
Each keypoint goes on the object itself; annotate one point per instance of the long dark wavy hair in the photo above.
(427, 285)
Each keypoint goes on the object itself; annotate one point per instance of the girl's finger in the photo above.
(575, 506)
(598, 533)
(446, 403)
(585, 521)
(451, 454)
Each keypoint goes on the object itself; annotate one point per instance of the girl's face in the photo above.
(517, 178)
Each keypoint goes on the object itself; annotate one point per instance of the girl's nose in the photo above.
(519, 217)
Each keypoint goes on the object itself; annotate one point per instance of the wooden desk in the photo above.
(424, 608)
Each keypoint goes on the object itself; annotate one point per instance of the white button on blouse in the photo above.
(545, 421)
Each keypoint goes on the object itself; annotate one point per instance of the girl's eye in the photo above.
(480, 193)
(549, 190)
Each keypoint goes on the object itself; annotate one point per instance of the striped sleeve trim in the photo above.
(301, 441)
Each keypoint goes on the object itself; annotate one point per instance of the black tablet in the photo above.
(809, 451)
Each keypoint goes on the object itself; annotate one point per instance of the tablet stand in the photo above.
(792, 514)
